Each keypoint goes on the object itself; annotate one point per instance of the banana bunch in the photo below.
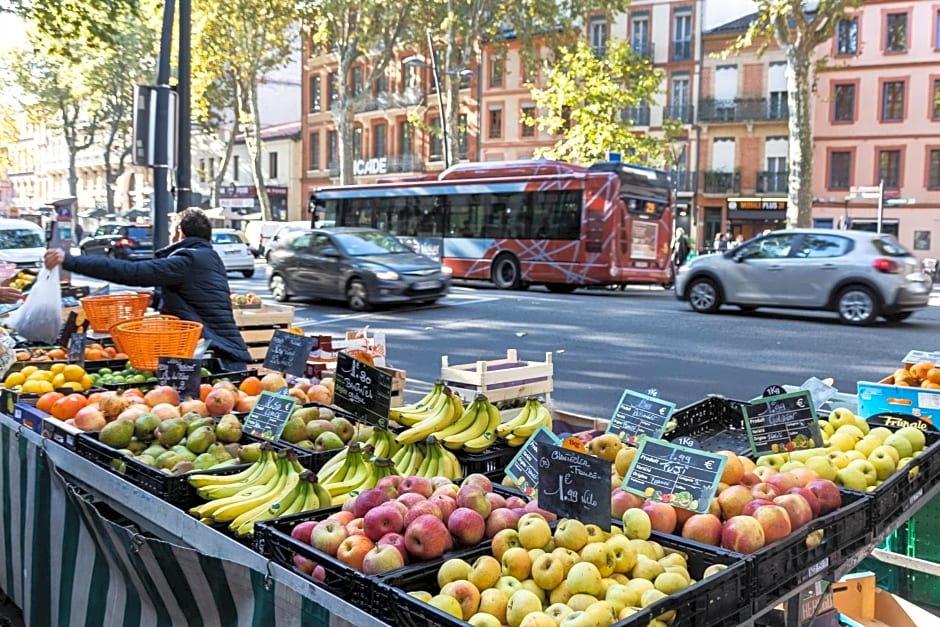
(381, 440)
(444, 409)
(427, 459)
(408, 459)
(359, 471)
(475, 430)
(533, 415)
(275, 485)
(410, 415)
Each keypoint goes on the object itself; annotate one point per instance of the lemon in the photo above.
(73, 372)
(28, 370)
(58, 380)
(72, 385)
(87, 382)
(57, 368)
(14, 379)
(36, 386)
(40, 375)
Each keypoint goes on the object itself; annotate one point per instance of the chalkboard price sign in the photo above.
(524, 467)
(288, 352)
(363, 390)
(183, 375)
(77, 348)
(669, 473)
(269, 415)
(640, 414)
(574, 485)
(783, 423)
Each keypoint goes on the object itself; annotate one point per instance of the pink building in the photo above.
(877, 117)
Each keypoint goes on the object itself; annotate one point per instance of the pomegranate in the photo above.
(220, 401)
(162, 394)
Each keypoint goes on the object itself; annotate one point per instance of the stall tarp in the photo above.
(64, 562)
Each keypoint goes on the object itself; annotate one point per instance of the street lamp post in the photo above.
(440, 101)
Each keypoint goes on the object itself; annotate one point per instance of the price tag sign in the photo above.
(524, 467)
(687, 441)
(77, 349)
(669, 473)
(288, 352)
(640, 414)
(774, 390)
(269, 415)
(574, 485)
(363, 390)
(779, 424)
(181, 374)
(915, 356)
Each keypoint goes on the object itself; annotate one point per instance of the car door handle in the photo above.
(774, 268)
(829, 266)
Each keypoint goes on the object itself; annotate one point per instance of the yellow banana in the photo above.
(204, 480)
(538, 417)
(465, 421)
(481, 424)
(285, 490)
(516, 440)
(227, 510)
(319, 498)
(521, 418)
(429, 463)
(409, 415)
(430, 425)
(267, 470)
(357, 478)
(450, 465)
(483, 441)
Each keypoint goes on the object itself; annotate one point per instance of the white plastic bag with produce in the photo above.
(40, 317)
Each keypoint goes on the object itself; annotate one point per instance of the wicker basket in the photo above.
(145, 340)
(103, 312)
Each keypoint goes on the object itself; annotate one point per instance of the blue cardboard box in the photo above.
(29, 416)
(880, 398)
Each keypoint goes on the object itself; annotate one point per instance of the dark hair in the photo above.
(194, 223)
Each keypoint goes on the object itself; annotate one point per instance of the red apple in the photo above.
(401, 507)
(704, 528)
(367, 499)
(381, 559)
(396, 540)
(417, 485)
(342, 517)
(327, 536)
(449, 489)
(662, 516)
(620, 501)
(533, 506)
(805, 475)
(410, 498)
(476, 478)
(303, 564)
(389, 485)
(764, 472)
(742, 534)
(319, 573)
(797, 507)
(439, 482)
(382, 520)
(425, 507)
(783, 481)
(513, 502)
(353, 549)
(499, 519)
(467, 526)
(301, 531)
(354, 528)
(810, 497)
(733, 500)
(682, 515)
(764, 490)
(474, 497)
(827, 493)
(427, 537)
(446, 504)
(750, 507)
(774, 520)
(349, 504)
(496, 500)
(749, 479)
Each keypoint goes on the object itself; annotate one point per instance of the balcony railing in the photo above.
(683, 113)
(741, 109)
(681, 50)
(644, 48)
(392, 100)
(769, 182)
(639, 116)
(405, 163)
(722, 182)
(683, 180)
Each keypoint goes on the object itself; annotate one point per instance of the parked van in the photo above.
(22, 242)
(260, 232)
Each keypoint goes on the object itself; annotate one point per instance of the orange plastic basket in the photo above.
(105, 311)
(117, 341)
(145, 340)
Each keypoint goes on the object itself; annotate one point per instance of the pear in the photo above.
(295, 430)
(145, 425)
(168, 459)
(183, 452)
(306, 414)
(205, 461)
(199, 421)
(182, 467)
(117, 434)
(147, 460)
(170, 432)
(250, 453)
(219, 452)
(154, 451)
(232, 449)
(229, 429)
(136, 447)
(201, 439)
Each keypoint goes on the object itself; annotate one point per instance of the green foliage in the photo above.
(585, 101)
(61, 22)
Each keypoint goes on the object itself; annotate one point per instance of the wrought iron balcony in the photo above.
(638, 116)
(644, 48)
(681, 50)
(741, 109)
(682, 112)
(392, 100)
(722, 182)
(683, 180)
(769, 182)
(405, 163)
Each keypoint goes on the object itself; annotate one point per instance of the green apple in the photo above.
(838, 459)
(862, 424)
(516, 563)
(548, 571)
(651, 596)
(852, 479)
(599, 554)
(581, 601)
(866, 468)
(531, 586)
(482, 619)
(448, 604)
(621, 596)
(646, 568)
(888, 450)
(595, 533)
(508, 585)
(915, 436)
(493, 602)
(854, 430)
(774, 461)
(867, 444)
(790, 465)
(578, 618)
(881, 433)
(904, 462)
(844, 440)
(558, 611)
(452, 570)
(560, 594)
(534, 532)
(636, 524)
(571, 534)
(584, 577)
(623, 552)
(670, 582)
(901, 443)
(521, 602)
(840, 417)
(883, 462)
(855, 454)
(823, 467)
(602, 612)
(826, 428)
(713, 569)
(568, 557)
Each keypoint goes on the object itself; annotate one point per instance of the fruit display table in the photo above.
(80, 543)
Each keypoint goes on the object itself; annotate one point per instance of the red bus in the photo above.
(518, 223)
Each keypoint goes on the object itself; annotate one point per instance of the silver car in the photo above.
(858, 274)
(231, 246)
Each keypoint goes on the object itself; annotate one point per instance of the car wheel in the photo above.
(898, 316)
(857, 305)
(560, 288)
(248, 273)
(278, 287)
(357, 296)
(704, 296)
(505, 273)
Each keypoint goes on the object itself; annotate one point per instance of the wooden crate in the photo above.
(500, 379)
(257, 326)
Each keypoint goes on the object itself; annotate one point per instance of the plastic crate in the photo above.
(721, 599)
(779, 568)
(492, 462)
(715, 422)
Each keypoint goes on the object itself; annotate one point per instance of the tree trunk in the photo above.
(799, 87)
(220, 175)
(344, 116)
(261, 187)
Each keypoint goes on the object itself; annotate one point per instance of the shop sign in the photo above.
(757, 204)
(370, 166)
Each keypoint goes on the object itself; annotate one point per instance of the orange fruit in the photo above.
(204, 390)
(920, 369)
(933, 375)
(56, 353)
(96, 346)
(250, 386)
(120, 356)
(110, 351)
(47, 400)
(930, 385)
(22, 356)
(92, 354)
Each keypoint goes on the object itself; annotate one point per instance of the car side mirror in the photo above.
(330, 252)
(738, 257)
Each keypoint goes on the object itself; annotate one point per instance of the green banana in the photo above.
(206, 480)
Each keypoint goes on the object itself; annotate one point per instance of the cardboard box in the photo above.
(862, 603)
(878, 398)
(29, 416)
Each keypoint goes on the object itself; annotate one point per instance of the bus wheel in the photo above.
(506, 274)
(357, 296)
(560, 288)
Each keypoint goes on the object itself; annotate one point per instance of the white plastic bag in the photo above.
(40, 317)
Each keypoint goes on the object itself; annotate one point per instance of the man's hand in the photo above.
(54, 257)
(10, 295)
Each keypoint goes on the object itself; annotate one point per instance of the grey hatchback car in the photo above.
(858, 274)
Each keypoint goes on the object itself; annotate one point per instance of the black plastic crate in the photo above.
(492, 462)
(716, 423)
(781, 567)
(721, 599)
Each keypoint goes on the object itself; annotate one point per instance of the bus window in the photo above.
(557, 214)
(430, 216)
(465, 215)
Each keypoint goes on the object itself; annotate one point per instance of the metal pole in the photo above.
(161, 194)
(184, 157)
(440, 101)
(881, 203)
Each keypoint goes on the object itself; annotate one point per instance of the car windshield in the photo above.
(370, 243)
(20, 238)
(138, 232)
(890, 247)
(226, 238)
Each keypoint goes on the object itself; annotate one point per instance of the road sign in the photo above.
(861, 189)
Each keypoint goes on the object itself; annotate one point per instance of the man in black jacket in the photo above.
(191, 279)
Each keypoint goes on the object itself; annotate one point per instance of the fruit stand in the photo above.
(173, 521)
